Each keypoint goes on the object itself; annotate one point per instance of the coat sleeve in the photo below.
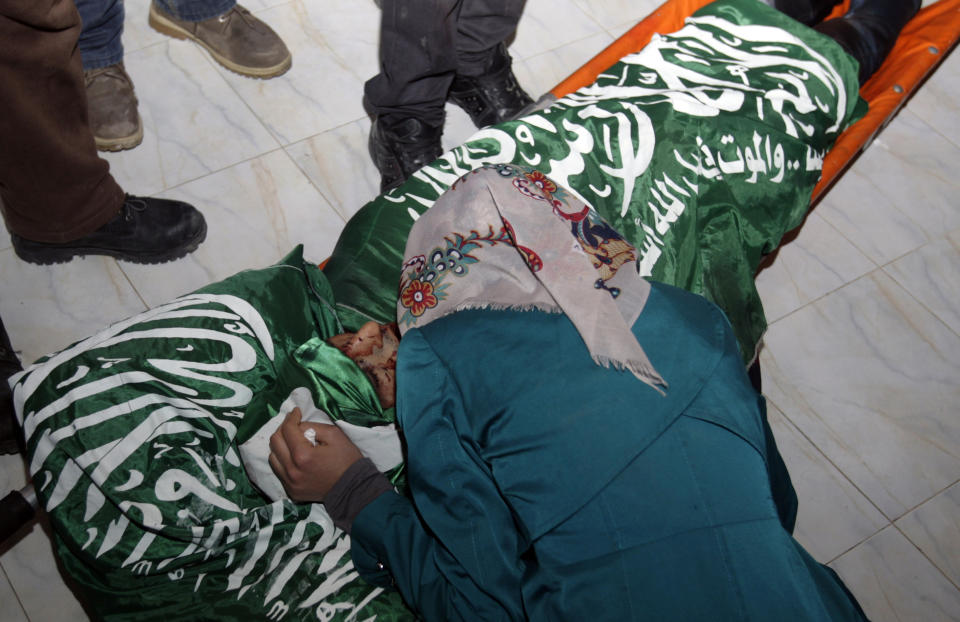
(455, 552)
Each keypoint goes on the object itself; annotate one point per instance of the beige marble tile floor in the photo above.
(862, 358)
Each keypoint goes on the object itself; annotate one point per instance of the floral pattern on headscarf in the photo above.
(508, 237)
(424, 284)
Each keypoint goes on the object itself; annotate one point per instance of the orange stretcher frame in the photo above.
(925, 41)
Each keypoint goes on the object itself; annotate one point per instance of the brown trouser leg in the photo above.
(53, 185)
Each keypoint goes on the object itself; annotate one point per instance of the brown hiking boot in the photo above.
(112, 108)
(237, 40)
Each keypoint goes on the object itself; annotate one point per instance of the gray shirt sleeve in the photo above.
(359, 485)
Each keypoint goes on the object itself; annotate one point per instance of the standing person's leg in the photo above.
(194, 10)
(100, 39)
(10, 438)
(114, 118)
(418, 61)
(233, 36)
(53, 185)
(485, 86)
(58, 197)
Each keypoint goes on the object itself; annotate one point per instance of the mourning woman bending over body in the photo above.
(581, 443)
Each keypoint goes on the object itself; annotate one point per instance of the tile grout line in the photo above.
(842, 473)
(293, 160)
(863, 251)
(822, 453)
(928, 499)
(277, 144)
(883, 268)
(934, 70)
(861, 542)
(890, 522)
(219, 170)
(136, 291)
(6, 577)
(822, 296)
(219, 69)
(601, 31)
(910, 293)
(278, 139)
(877, 140)
(927, 557)
(334, 205)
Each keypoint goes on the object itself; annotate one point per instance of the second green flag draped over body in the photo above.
(702, 149)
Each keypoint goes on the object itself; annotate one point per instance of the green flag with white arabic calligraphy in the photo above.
(703, 150)
(133, 438)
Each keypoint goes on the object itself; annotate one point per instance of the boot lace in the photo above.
(243, 13)
(132, 205)
(113, 72)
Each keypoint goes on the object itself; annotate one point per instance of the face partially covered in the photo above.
(374, 349)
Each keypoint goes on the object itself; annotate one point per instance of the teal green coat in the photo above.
(546, 487)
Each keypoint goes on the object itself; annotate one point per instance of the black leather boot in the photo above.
(10, 437)
(807, 12)
(145, 230)
(492, 97)
(400, 147)
(869, 29)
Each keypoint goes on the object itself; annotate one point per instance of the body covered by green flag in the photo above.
(703, 149)
(133, 438)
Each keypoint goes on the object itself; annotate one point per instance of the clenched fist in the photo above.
(308, 471)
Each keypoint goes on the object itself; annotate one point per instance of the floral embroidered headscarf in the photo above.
(507, 237)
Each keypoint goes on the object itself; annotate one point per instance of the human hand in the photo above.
(308, 472)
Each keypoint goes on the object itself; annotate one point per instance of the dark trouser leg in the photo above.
(485, 86)
(417, 59)
(417, 64)
(424, 44)
(483, 26)
(807, 12)
(53, 186)
(869, 29)
(423, 47)
(10, 439)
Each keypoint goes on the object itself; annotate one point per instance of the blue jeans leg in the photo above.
(100, 44)
(195, 10)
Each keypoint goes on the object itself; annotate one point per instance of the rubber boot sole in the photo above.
(47, 254)
(124, 142)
